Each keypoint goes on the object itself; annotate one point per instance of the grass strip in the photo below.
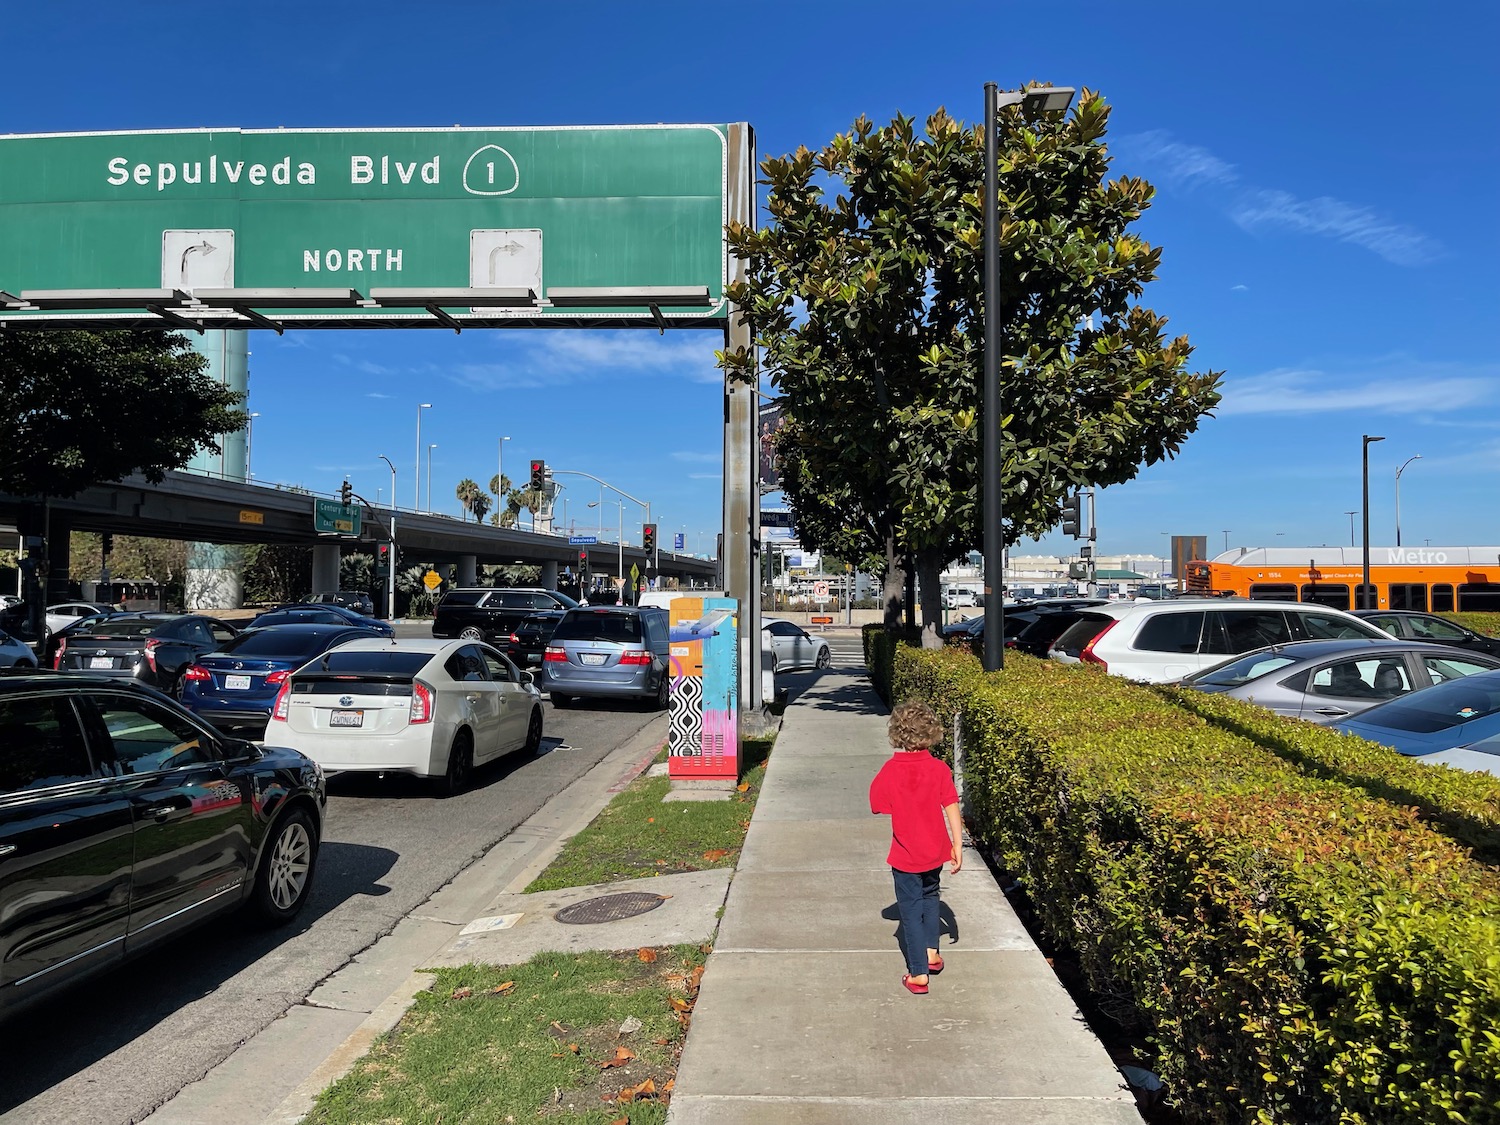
(514, 1043)
(639, 835)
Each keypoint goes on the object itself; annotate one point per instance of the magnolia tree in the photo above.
(865, 296)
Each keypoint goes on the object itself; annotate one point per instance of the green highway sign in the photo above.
(104, 226)
(332, 518)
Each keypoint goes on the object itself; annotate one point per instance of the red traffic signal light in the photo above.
(538, 475)
(648, 537)
(583, 558)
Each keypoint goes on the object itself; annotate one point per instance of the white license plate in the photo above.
(592, 658)
(101, 662)
(347, 719)
(237, 683)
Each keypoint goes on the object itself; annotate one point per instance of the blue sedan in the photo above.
(235, 687)
(307, 614)
(1455, 723)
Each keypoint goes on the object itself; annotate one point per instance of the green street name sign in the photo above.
(332, 518)
(417, 212)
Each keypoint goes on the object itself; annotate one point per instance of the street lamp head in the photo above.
(1049, 99)
(424, 406)
(1369, 439)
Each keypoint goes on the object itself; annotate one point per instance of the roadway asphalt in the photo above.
(115, 1049)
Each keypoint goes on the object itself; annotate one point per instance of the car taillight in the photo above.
(513, 639)
(1088, 656)
(635, 658)
(151, 645)
(555, 654)
(421, 703)
(278, 677)
(196, 673)
(283, 697)
(62, 646)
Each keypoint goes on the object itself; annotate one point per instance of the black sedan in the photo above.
(125, 821)
(305, 613)
(154, 648)
(529, 639)
(1412, 626)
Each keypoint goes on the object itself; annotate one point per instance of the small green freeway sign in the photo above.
(332, 518)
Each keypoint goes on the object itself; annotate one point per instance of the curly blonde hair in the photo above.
(913, 726)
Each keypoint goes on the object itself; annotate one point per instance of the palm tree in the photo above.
(479, 503)
(466, 492)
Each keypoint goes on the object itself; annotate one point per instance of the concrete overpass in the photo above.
(210, 509)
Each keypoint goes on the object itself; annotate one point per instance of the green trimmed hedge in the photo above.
(880, 645)
(1462, 805)
(1303, 951)
(1486, 623)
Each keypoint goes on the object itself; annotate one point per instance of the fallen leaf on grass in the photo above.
(622, 1056)
(669, 1086)
(646, 955)
(574, 1048)
(661, 1042)
(743, 787)
(620, 1121)
(679, 1005)
(558, 1029)
(627, 1094)
(695, 978)
(715, 853)
(502, 989)
(461, 994)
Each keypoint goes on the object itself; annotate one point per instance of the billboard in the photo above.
(770, 424)
(777, 526)
(505, 208)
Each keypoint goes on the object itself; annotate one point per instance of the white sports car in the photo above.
(430, 708)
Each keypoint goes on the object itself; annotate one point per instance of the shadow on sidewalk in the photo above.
(855, 698)
(947, 924)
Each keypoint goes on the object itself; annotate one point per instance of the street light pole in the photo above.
(1402, 469)
(1351, 514)
(250, 442)
(1045, 99)
(500, 478)
(390, 584)
(416, 500)
(1362, 602)
(430, 448)
(1226, 539)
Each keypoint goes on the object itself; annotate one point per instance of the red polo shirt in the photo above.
(915, 788)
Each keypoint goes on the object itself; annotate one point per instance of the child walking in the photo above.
(916, 791)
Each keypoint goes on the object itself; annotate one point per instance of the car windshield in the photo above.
(293, 644)
(1441, 706)
(127, 627)
(1243, 670)
(599, 625)
(371, 662)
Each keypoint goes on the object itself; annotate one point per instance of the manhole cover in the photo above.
(608, 908)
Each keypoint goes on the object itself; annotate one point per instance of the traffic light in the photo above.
(538, 476)
(583, 559)
(108, 542)
(1072, 520)
(648, 538)
(346, 494)
(383, 559)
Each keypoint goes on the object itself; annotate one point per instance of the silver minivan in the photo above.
(618, 651)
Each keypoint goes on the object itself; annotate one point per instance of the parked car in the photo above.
(14, 653)
(528, 640)
(48, 651)
(428, 708)
(1455, 723)
(357, 600)
(794, 646)
(482, 613)
(1429, 627)
(301, 613)
(235, 687)
(65, 612)
(124, 821)
(1324, 681)
(1160, 642)
(154, 648)
(614, 652)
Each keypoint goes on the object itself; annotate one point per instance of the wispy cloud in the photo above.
(550, 359)
(685, 455)
(1239, 288)
(1397, 243)
(1182, 164)
(1386, 387)
(1255, 209)
(377, 394)
(705, 476)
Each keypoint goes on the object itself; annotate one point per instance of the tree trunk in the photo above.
(911, 591)
(929, 570)
(893, 586)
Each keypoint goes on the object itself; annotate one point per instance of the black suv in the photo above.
(125, 820)
(483, 613)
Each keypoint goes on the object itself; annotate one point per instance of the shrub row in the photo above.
(1462, 805)
(1480, 622)
(1303, 951)
(880, 644)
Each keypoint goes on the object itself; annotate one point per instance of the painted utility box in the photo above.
(703, 735)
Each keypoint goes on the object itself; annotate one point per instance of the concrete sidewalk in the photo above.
(802, 1016)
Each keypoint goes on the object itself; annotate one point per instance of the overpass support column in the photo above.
(325, 575)
(549, 576)
(468, 570)
(215, 576)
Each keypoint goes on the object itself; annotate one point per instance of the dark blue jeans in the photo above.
(917, 901)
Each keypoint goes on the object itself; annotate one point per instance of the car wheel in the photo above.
(825, 658)
(471, 633)
(664, 693)
(561, 701)
(286, 868)
(24, 664)
(534, 732)
(460, 764)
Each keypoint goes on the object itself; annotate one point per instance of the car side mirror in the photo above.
(528, 677)
(240, 749)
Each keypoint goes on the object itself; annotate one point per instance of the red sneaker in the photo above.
(912, 986)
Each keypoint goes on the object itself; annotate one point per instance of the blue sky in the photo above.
(1326, 177)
